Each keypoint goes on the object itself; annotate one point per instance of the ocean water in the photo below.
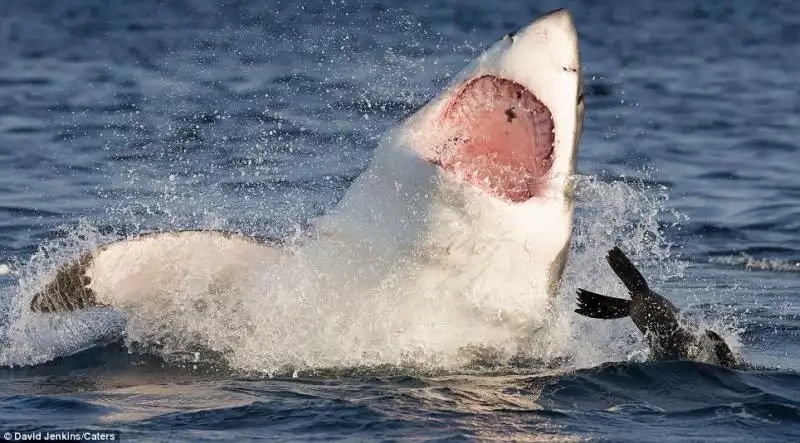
(123, 117)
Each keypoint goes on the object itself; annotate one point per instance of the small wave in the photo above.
(677, 391)
(746, 261)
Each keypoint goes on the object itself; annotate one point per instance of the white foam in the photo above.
(297, 322)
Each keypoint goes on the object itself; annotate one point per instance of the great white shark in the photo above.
(468, 197)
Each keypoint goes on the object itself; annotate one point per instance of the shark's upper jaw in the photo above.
(511, 122)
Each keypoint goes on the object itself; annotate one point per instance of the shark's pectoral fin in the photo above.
(72, 287)
(69, 290)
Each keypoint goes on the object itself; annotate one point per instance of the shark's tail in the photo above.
(626, 271)
(594, 305)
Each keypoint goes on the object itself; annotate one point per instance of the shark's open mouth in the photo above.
(499, 137)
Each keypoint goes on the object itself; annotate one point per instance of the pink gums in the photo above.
(499, 137)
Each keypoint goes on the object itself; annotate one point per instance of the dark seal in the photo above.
(653, 314)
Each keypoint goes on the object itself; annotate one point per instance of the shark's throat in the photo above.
(498, 136)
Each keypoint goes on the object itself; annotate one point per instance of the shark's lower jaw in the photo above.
(499, 137)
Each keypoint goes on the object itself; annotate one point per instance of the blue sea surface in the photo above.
(121, 117)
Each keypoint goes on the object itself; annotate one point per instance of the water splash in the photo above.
(297, 322)
(611, 213)
(747, 261)
(30, 339)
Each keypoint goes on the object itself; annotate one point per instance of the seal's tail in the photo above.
(591, 304)
(627, 272)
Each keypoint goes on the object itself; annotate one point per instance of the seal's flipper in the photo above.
(69, 290)
(593, 305)
(626, 271)
(723, 353)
